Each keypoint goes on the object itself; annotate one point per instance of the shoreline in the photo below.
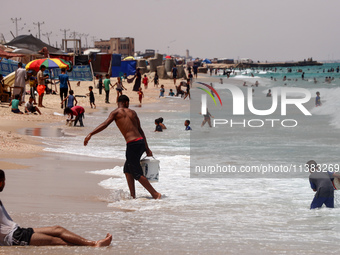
(27, 160)
(57, 182)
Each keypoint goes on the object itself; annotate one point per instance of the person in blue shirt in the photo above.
(318, 99)
(71, 100)
(321, 182)
(171, 93)
(186, 124)
(64, 86)
(161, 91)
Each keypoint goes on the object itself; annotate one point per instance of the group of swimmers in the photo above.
(160, 126)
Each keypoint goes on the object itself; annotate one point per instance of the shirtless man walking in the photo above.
(12, 234)
(129, 125)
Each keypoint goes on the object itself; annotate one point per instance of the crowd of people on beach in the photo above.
(129, 126)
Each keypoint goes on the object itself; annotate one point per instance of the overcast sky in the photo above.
(257, 29)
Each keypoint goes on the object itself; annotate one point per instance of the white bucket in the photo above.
(150, 168)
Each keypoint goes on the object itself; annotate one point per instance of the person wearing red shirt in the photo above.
(75, 113)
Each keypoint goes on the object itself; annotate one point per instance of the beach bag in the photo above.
(41, 89)
(150, 168)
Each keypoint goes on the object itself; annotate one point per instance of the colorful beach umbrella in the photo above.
(50, 63)
(168, 57)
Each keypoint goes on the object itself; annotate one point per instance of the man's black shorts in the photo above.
(134, 150)
(22, 236)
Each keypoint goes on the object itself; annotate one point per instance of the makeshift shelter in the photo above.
(207, 61)
(101, 62)
(79, 73)
(119, 67)
(8, 66)
(5, 54)
(34, 45)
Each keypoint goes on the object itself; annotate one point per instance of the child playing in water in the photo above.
(186, 124)
(74, 114)
(162, 90)
(158, 127)
(161, 122)
(171, 93)
(317, 99)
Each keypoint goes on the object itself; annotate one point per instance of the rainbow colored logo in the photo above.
(209, 93)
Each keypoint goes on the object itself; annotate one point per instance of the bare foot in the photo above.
(157, 196)
(104, 242)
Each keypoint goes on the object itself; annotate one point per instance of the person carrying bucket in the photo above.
(129, 125)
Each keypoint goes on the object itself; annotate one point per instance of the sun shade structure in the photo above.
(29, 42)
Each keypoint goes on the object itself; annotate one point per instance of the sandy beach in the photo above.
(40, 182)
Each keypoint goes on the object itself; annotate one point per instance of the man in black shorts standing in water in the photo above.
(12, 234)
(129, 125)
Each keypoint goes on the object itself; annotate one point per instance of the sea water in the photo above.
(226, 213)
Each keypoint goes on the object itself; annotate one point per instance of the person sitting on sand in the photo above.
(30, 108)
(15, 104)
(128, 123)
(12, 234)
(77, 112)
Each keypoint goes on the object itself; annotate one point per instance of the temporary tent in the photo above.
(29, 42)
(207, 61)
(5, 54)
(120, 67)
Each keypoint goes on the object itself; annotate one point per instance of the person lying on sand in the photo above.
(12, 234)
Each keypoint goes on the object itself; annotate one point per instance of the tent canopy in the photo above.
(31, 43)
(5, 54)
(206, 61)
(119, 67)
